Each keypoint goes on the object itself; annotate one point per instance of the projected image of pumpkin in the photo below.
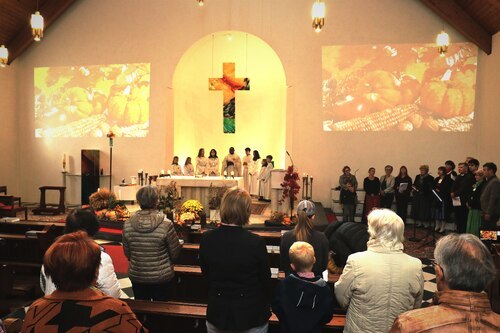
(91, 100)
(398, 87)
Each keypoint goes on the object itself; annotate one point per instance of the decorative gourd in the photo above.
(448, 98)
(379, 90)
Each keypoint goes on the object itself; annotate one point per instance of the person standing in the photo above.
(402, 186)
(387, 188)
(201, 163)
(421, 208)
(490, 198)
(188, 167)
(441, 197)
(263, 176)
(213, 164)
(151, 245)
(347, 177)
(176, 168)
(381, 283)
(304, 232)
(247, 159)
(253, 171)
(232, 164)
(450, 169)
(348, 199)
(371, 185)
(464, 268)
(235, 263)
(461, 189)
(474, 205)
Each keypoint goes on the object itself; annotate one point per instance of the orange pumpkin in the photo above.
(410, 89)
(379, 90)
(349, 109)
(448, 98)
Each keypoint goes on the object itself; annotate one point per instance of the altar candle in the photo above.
(232, 173)
(120, 194)
(98, 189)
(162, 172)
(225, 173)
(64, 158)
(168, 172)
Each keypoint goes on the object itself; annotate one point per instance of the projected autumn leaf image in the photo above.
(404, 87)
(88, 101)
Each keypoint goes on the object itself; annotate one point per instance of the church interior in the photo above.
(112, 90)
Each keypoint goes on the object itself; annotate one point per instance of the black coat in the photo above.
(346, 238)
(462, 187)
(303, 305)
(235, 263)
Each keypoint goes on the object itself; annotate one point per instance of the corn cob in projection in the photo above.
(456, 124)
(76, 128)
(377, 121)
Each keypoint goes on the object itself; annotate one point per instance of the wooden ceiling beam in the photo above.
(51, 11)
(458, 18)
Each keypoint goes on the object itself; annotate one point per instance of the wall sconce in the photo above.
(201, 3)
(4, 56)
(37, 25)
(442, 42)
(318, 15)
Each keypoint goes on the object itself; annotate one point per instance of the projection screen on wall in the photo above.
(88, 101)
(404, 87)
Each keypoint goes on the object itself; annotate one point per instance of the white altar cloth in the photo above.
(191, 187)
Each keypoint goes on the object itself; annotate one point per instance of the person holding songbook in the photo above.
(176, 168)
(402, 186)
(421, 208)
(347, 177)
(442, 201)
(371, 185)
(474, 205)
(387, 188)
(188, 167)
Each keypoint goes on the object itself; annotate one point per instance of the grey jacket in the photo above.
(490, 198)
(151, 245)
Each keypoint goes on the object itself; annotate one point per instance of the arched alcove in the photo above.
(260, 118)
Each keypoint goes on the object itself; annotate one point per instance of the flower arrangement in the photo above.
(106, 207)
(192, 206)
(169, 197)
(279, 219)
(215, 194)
(290, 186)
(186, 218)
(191, 211)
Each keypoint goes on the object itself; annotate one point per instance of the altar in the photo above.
(191, 187)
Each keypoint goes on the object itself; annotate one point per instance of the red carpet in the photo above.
(119, 260)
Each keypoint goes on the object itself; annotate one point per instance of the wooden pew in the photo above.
(190, 251)
(190, 318)
(190, 285)
(271, 237)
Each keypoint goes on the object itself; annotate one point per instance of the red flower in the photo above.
(290, 185)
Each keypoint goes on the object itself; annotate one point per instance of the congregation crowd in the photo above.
(381, 287)
(469, 199)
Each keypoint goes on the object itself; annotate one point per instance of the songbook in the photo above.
(437, 196)
(403, 187)
(456, 202)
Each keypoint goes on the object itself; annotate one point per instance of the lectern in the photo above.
(90, 173)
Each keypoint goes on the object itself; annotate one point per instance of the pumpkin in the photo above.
(349, 109)
(378, 90)
(410, 89)
(129, 109)
(448, 98)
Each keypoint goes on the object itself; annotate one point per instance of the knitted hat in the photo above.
(307, 206)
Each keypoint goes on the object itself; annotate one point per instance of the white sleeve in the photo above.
(107, 281)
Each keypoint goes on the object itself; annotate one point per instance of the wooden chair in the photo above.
(44, 208)
(10, 205)
(3, 189)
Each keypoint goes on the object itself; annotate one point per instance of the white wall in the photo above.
(158, 31)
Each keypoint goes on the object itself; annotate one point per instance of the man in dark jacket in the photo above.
(304, 302)
(490, 198)
(462, 188)
(346, 238)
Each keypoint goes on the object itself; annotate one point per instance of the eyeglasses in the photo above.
(434, 264)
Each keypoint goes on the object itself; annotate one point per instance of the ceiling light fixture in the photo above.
(442, 42)
(201, 3)
(318, 15)
(37, 24)
(4, 56)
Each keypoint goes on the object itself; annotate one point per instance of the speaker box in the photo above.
(90, 173)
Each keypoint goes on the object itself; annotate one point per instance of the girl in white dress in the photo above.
(201, 163)
(176, 168)
(188, 167)
(213, 164)
(253, 171)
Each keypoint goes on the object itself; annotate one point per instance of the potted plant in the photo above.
(169, 197)
(215, 194)
(290, 186)
(196, 208)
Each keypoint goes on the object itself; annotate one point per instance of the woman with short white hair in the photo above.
(379, 284)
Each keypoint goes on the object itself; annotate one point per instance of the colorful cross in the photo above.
(229, 84)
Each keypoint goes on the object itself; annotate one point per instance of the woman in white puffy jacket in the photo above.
(85, 220)
(379, 284)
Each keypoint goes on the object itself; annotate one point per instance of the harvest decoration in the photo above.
(106, 207)
(290, 186)
(192, 206)
(169, 198)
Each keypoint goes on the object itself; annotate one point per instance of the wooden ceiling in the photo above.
(478, 20)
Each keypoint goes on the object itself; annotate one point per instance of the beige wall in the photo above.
(8, 130)
(159, 32)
